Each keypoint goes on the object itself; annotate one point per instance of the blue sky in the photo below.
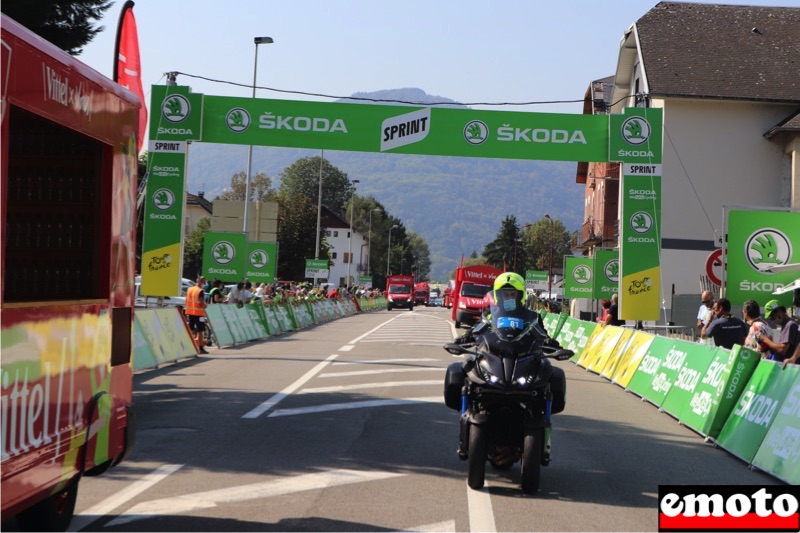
(466, 50)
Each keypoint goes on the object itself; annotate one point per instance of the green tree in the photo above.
(505, 252)
(421, 256)
(68, 24)
(260, 188)
(537, 240)
(297, 222)
(193, 249)
(302, 178)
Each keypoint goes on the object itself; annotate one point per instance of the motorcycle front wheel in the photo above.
(531, 464)
(476, 466)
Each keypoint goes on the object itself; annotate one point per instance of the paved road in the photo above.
(342, 427)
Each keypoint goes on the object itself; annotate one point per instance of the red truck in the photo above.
(472, 284)
(67, 258)
(422, 294)
(400, 292)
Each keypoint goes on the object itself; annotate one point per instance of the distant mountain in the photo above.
(455, 204)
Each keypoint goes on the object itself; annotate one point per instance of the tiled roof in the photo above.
(722, 51)
(199, 199)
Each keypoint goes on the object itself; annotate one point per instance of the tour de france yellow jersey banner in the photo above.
(635, 139)
(422, 130)
(758, 242)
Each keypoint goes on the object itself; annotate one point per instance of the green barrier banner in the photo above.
(608, 366)
(640, 248)
(694, 368)
(152, 331)
(718, 390)
(562, 318)
(658, 369)
(175, 119)
(262, 316)
(262, 261)
(244, 321)
(626, 367)
(273, 324)
(232, 320)
(758, 240)
(225, 256)
(255, 319)
(574, 335)
(143, 356)
(779, 453)
(578, 275)
(757, 407)
(219, 326)
(606, 275)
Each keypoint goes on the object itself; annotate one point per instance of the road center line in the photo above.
(269, 404)
(81, 520)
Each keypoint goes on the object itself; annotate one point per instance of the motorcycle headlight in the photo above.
(487, 376)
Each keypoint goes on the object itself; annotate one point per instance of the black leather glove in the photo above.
(551, 342)
(466, 338)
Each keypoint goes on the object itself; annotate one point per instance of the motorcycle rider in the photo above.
(508, 293)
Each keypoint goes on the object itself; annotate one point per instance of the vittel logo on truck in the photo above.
(728, 508)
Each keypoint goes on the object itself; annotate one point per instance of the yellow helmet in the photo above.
(509, 280)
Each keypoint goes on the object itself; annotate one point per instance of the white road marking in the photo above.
(267, 489)
(381, 371)
(269, 404)
(341, 388)
(81, 520)
(481, 515)
(353, 405)
(445, 527)
(383, 361)
(376, 328)
(346, 348)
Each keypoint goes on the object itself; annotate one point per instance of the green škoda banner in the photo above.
(578, 275)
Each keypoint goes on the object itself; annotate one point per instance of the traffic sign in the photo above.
(714, 267)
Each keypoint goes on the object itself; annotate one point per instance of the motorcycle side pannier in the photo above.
(558, 386)
(453, 383)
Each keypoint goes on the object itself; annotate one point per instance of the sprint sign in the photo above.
(728, 508)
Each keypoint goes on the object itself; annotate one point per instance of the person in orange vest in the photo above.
(196, 313)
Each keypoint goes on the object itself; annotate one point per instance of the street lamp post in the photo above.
(550, 268)
(369, 246)
(350, 235)
(389, 251)
(257, 41)
(319, 210)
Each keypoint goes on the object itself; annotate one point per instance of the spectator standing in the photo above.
(196, 313)
(786, 347)
(724, 328)
(215, 294)
(704, 312)
(758, 326)
(606, 305)
(612, 318)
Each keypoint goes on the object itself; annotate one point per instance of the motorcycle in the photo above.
(506, 391)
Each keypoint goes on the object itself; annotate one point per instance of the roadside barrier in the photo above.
(744, 404)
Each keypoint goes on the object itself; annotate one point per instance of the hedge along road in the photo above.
(342, 427)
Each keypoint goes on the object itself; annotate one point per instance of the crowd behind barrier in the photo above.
(744, 404)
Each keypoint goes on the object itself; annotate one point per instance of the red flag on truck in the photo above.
(127, 66)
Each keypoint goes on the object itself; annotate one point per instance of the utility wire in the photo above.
(364, 99)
